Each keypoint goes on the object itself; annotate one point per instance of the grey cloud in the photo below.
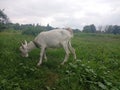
(74, 13)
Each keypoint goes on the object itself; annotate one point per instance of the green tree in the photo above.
(113, 29)
(49, 27)
(86, 29)
(93, 28)
(109, 29)
(89, 28)
(4, 20)
(116, 29)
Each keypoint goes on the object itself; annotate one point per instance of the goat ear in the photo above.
(25, 43)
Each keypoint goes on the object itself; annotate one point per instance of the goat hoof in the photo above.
(38, 65)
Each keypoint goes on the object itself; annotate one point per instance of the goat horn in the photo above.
(25, 42)
(22, 45)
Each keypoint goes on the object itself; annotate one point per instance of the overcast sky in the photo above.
(63, 13)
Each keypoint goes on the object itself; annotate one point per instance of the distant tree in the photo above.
(89, 28)
(109, 29)
(100, 28)
(3, 17)
(16, 26)
(116, 29)
(106, 28)
(4, 20)
(76, 30)
(113, 29)
(93, 28)
(48, 27)
(86, 29)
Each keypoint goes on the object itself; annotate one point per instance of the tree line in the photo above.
(33, 29)
(111, 29)
(30, 29)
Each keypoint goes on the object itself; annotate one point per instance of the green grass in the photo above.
(97, 66)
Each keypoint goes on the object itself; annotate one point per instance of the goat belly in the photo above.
(53, 44)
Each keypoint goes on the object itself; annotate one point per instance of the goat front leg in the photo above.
(41, 56)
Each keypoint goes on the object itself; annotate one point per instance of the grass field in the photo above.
(97, 66)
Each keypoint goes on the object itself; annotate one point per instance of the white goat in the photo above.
(50, 39)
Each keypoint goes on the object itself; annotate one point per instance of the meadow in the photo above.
(97, 66)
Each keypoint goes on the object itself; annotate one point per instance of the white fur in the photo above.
(50, 39)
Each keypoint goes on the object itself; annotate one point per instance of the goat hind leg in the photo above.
(45, 57)
(72, 49)
(65, 46)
